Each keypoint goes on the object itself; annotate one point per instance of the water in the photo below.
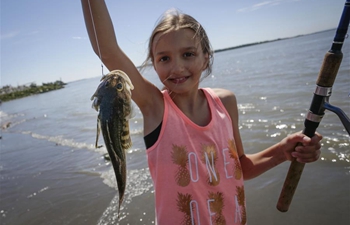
(50, 172)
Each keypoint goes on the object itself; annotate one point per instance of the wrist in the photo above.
(280, 154)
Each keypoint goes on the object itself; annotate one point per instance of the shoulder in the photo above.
(228, 99)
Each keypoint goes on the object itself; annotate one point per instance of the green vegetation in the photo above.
(8, 93)
(247, 45)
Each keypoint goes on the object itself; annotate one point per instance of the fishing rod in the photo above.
(96, 38)
(319, 103)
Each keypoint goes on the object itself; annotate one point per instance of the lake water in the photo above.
(50, 172)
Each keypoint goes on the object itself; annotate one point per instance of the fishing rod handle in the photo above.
(326, 77)
(329, 69)
(290, 185)
(294, 173)
(325, 81)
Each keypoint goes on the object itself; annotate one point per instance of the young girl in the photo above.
(194, 148)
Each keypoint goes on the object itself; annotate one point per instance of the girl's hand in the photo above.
(302, 148)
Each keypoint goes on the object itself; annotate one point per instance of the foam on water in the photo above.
(138, 183)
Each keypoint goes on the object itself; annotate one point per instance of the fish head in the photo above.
(114, 85)
(118, 80)
(122, 79)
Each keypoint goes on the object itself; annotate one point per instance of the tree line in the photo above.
(8, 92)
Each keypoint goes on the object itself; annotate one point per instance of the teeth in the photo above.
(179, 80)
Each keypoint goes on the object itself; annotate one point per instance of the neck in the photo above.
(187, 101)
(194, 105)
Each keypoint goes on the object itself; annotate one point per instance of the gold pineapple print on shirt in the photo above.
(184, 205)
(234, 156)
(241, 203)
(209, 156)
(217, 206)
(179, 157)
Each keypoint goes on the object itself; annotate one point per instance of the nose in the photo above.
(178, 66)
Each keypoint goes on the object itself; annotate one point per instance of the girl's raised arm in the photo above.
(145, 94)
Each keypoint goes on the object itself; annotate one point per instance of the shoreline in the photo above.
(267, 41)
(8, 93)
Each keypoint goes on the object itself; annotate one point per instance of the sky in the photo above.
(46, 40)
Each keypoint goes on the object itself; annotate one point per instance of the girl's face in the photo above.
(179, 60)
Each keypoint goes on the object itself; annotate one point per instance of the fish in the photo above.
(112, 101)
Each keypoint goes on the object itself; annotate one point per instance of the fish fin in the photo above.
(126, 139)
(93, 96)
(95, 104)
(120, 203)
(98, 131)
(132, 113)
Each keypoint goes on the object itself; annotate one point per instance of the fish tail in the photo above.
(121, 198)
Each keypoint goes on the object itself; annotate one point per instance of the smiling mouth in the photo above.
(179, 80)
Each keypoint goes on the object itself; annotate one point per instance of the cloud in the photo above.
(32, 33)
(264, 4)
(13, 34)
(78, 38)
(9, 35)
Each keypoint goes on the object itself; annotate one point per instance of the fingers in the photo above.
(309, 151)
(307, 154)
(316, 138)
(305, 140)
(300, 138)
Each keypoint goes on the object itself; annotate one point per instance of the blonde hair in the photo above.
(174, 20)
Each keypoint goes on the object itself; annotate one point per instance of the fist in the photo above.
(302, 148)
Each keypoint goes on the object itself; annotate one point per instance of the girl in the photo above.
(194, 148)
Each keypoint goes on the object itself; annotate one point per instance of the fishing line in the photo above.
(94, 28)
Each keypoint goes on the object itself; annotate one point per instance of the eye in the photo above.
(119, 86)
(188, 54)
(164, 58)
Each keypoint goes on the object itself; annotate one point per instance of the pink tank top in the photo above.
(195, 169)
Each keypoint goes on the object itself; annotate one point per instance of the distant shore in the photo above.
(8, 92)
(247, 45)
(267, 41)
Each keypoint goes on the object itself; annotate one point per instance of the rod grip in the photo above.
(294, 173)
(290, 185)
(326, 77)
(329, 69)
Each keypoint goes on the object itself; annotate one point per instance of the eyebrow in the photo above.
(190, 48)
